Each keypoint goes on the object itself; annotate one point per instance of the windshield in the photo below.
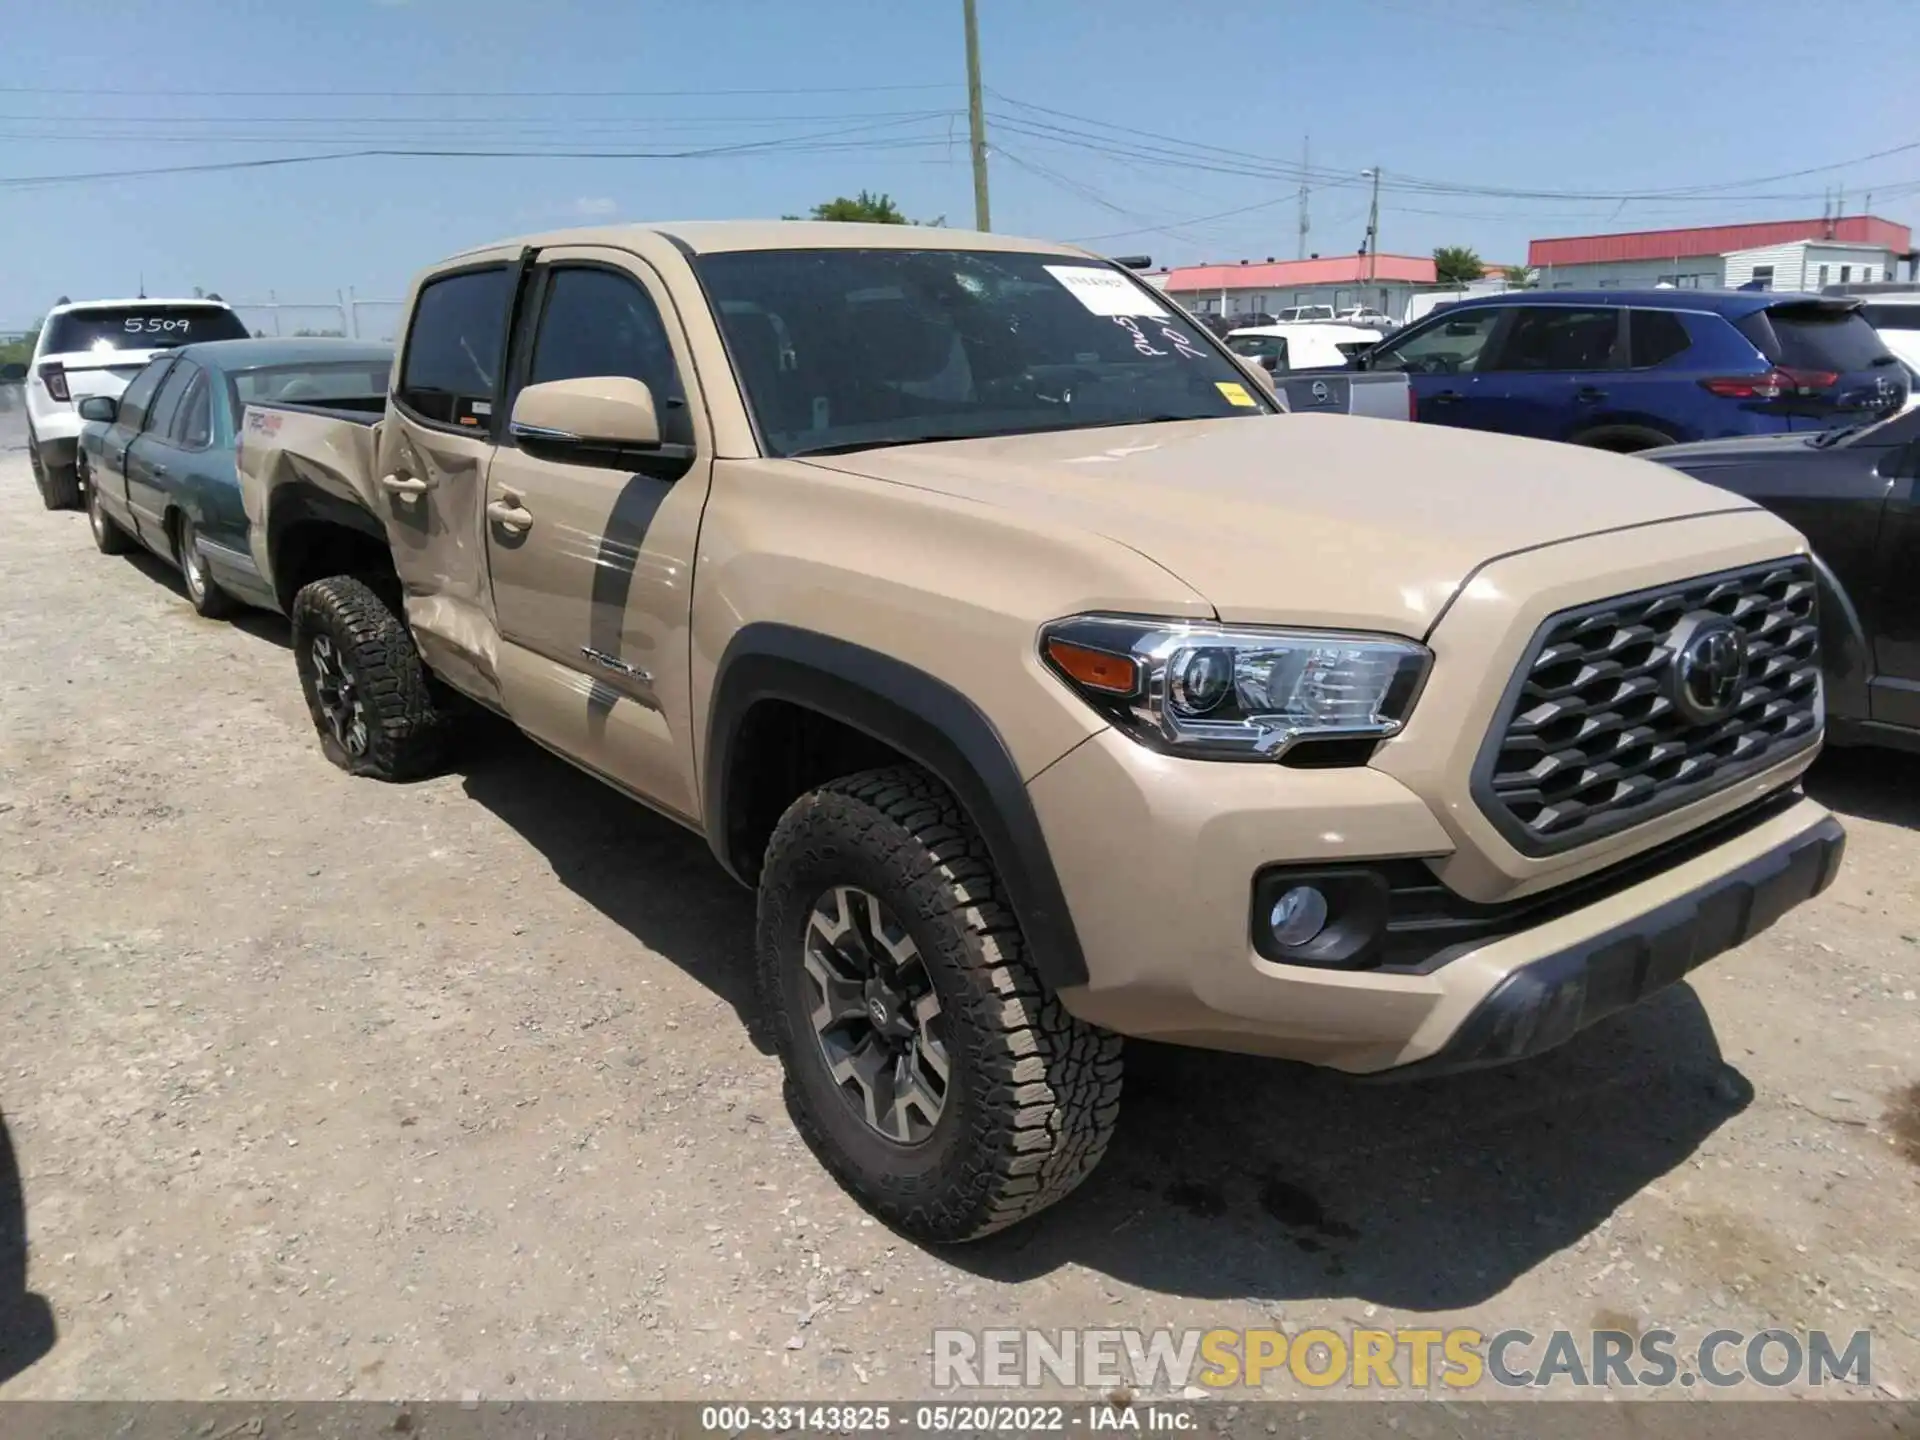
(140, 327)
(325, 383)
(844, 349)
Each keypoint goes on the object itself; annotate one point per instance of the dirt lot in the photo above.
(318, 1088)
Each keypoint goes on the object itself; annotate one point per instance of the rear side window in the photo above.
(1816, 337)
(167, 403)
(1654, 337)
(1551, 337)
(455, 346)
(140, 327)
(132, 414)
(193, 428)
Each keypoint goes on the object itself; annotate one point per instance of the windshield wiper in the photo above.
(848, 447)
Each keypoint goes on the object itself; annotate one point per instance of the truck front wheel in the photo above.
(927, 1066)
(365, 683)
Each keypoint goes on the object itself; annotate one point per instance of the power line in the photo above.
(1234, 161)
(465, 94)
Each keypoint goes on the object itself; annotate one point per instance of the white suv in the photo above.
(94, 347)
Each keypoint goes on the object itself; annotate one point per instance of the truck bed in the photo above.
(331, 448)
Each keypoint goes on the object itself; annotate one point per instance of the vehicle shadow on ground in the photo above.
(259, 624)
(1869, 783)
(654, 879)
(1232, 1177)
(27, 1330)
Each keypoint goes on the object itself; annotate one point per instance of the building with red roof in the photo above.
(1780, 254)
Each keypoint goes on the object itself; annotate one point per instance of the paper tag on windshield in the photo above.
(1106, 292)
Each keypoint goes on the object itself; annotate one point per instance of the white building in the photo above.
(1786, 254)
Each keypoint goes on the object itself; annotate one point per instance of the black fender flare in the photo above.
(299, 502)
(1846, 655)
(925, 719)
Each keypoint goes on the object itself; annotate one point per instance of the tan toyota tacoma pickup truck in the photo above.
(1050, 684)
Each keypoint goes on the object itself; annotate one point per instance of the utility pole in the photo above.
(1306, 151)
(1373, 227)
(976, 122)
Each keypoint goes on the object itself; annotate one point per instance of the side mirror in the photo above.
(99, 407)
(606, 420)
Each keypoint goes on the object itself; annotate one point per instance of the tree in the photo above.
(1521, 277)
(1457, 264)
(20, 351)
(865, 207)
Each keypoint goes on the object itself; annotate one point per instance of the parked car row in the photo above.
(1048, 683)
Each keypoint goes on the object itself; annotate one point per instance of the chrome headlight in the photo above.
(1233, 692)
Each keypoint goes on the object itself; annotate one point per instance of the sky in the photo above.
(1158, 127)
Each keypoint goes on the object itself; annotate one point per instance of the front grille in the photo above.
(1592, 741)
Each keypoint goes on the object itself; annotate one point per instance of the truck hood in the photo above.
(1305, 519)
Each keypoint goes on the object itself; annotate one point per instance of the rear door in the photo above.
(1442, 359)
(592, 565)
(1844, 371)
(151, 460)
(430, 470)
(1551, 374)
(110, 475)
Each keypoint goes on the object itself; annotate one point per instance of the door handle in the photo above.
(405, 486)
(509, 516)
(1587, 394)
(158, 469)
(1445, 397)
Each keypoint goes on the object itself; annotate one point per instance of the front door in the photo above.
(1441, 361)
(592, 566)
(151, 459)
(110, 477)
(429, 476)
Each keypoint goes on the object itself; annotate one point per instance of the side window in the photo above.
(1560, 338)
(193, 428)
(454, 347)
(138, 397)
(598, 322)
(1452, 346)
(1654, 337)
(167, 403)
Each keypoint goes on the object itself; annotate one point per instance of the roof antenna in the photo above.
(143, 285)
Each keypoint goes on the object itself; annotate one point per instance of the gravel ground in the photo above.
(318, 1087)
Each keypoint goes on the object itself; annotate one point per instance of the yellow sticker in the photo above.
(1235, 392)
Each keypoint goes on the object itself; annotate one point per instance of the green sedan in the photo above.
(158, 463)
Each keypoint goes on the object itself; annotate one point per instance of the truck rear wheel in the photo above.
(366, 686)
(927, 1066)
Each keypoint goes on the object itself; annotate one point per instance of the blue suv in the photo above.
(1631, 369)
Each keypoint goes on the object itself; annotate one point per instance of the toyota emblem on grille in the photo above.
(1320, 392)
(1709, 667)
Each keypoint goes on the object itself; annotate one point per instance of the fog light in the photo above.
(1298, 916)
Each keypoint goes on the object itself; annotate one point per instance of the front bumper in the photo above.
(1158, 856)
(1545, 1002)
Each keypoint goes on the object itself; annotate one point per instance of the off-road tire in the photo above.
(59, 485)
(108, 537)
(406, 731)
(1033, 1093)
(209, 601)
